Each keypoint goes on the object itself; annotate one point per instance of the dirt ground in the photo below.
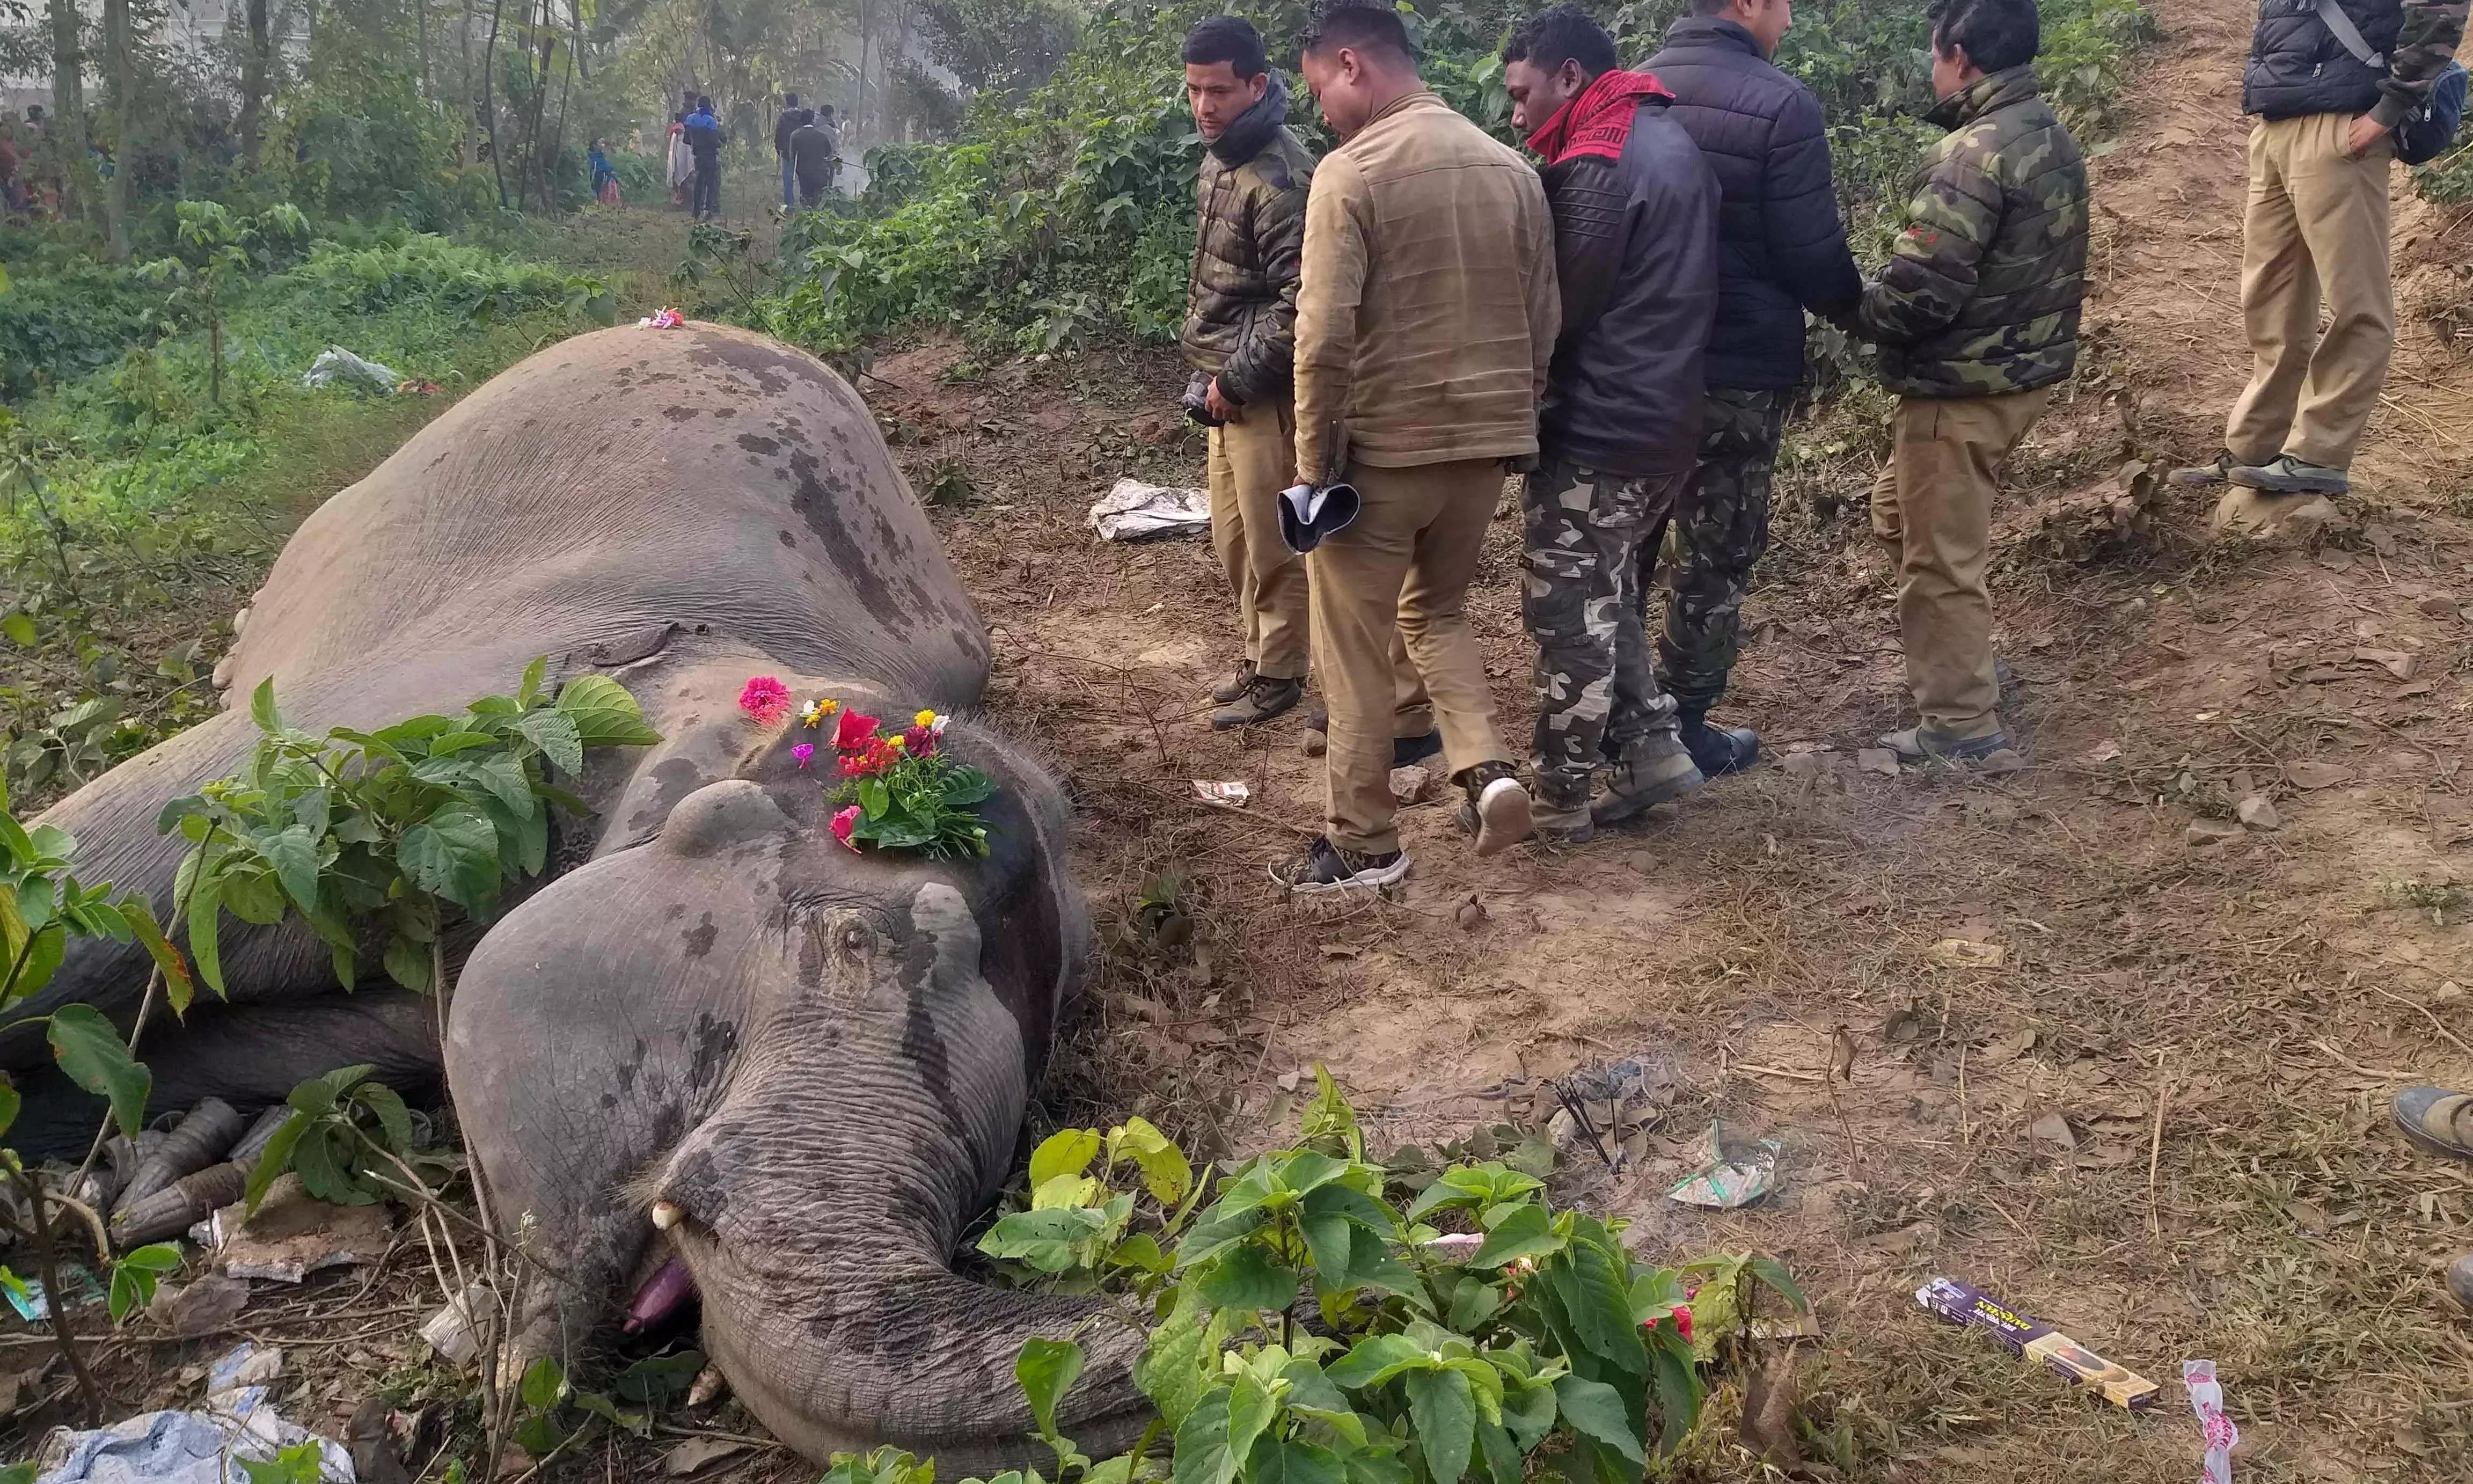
(2114, 1057)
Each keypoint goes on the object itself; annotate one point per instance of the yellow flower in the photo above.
(818, 710)
(924, 719)
(896, 741)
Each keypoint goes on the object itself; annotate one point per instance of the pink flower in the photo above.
(765, 699)
(1683, 1321)
(843, 823)
(804, 752)
(853, 731)
(921, 741)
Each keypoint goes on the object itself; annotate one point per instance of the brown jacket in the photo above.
(1428, 309)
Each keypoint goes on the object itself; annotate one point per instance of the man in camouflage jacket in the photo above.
(1977, 318)
(1241, 331)
(2315, 225)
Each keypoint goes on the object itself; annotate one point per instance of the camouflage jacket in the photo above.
(1981, 295)
(1241, 301)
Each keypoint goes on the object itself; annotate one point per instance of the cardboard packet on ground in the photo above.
(1963, 1304)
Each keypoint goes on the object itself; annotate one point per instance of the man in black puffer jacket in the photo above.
(1782, 249)
(2316, 222)
(1636, 255)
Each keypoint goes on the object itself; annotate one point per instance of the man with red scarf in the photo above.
(1636, 254)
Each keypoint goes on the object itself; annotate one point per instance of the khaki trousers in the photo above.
(2316, 229)
(1932, 507)
(1396, 580)
(1250, 459)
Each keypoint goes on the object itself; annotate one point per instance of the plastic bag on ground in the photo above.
(335, 365)
(1135, 511)
(201, 1447)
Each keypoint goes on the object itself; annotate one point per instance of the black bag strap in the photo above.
(2347, 34)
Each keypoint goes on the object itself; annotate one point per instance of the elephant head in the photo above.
(807, 1067)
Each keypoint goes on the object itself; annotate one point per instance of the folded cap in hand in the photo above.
(1307, 516)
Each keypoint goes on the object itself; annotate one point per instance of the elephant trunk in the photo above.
(888, 1345)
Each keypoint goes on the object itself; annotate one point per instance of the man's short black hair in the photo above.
(1564, 34)
(825, 112)
(1359, 25)
(704, 105)
(1998, 34)
(1229, 38)
(1709, 7)
(789, 100)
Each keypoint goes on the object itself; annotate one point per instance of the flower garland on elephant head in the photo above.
(897, 790)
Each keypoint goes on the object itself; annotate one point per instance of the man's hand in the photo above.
(2365, 132)
(1220, 407)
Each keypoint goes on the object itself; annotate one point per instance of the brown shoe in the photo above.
(1651, 770)
(1234, 687)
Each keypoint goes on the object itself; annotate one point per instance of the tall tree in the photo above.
(119, 117)
(67, 127)
(254, 80)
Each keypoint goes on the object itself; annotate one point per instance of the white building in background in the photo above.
(191, 24)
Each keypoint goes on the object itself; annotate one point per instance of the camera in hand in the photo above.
(1196, 402)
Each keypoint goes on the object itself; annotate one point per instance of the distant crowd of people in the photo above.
(1377, 336)
(29, 177)
(806, 145)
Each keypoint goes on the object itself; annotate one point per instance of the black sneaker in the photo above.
(1263, 700)
(1408, 751)
(1718, 750)
(1234, 687)
(1991, 755)
(2285, 474)
(1324, 868)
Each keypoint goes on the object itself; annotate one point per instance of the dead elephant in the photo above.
(812, 1063)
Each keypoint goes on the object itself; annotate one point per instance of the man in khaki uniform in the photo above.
(2329, 81)
(1425, 326)
(1977, 316)
(1240, 336)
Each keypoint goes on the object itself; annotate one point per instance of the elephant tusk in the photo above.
(666, 1214)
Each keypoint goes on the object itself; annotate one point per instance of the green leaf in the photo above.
(1277, 1462)
(1529, 1413)
(392, 1118)
(294, 854)
(1042, 1239)
(1516, 1232)
(1065, 1152)
(261, 708)
(453, 855)
(131, 1288)
(528, 691)
(1444, 1414)
(1250, 1411)
(206, 905)
(1248, 1277)
(447, 744)
(1375, 1359)
(1203, 1455)
(1046, 1370)
(94, 1057)
(407, 963)
(1182, 1356)
(1595, 1410)
(605, 714)
(20, 630)
(43, 957)
(1678, 1389)
(657, 1379)
(177, 988)
(1769, 1271)
(1474, 1302)
(10, 1102)
(325, 1169)
(557, 735)
(277, 1157)
(1598, 1306)
(1166, 1172)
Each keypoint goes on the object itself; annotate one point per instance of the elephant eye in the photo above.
(853, 939)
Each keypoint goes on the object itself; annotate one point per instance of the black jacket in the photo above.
(1636, 253)
(2297, 66)
(1782, 247)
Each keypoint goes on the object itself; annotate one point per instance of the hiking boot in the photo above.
(1408, 751)
(1651, 770)
(1324, 868)
(1261, 701)
(2204, 476)
(1234, 687)
(2436, 1119)
(1559, 817)
(1717, 750)
(1318, 730)
(1992, 754)
(2285, 474)
(1498, 805)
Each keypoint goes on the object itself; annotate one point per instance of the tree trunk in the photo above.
(67, 127)
(420, 44)
(858, 110)
(118, 121)
(489, 112)
(464, 91)
(255, 81)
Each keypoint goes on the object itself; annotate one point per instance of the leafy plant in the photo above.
(390, 828)
(348, 1138)
(302, 1463)
(903, 791)
(1522, 1333)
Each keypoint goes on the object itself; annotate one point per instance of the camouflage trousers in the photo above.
(1722, 527)
(1584, 561)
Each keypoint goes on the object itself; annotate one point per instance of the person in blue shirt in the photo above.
(705, 139)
